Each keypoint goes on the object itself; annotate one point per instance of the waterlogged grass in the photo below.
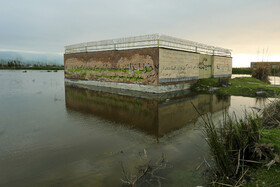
(245, 86)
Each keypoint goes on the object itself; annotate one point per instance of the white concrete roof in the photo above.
(145, 41)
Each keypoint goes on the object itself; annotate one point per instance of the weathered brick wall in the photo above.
(205, 66)
(222, 66)
(177, 65)
(138, 66)
(148, 66)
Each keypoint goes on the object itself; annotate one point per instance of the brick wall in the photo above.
(139, 66)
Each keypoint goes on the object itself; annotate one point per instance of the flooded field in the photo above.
(54, 135)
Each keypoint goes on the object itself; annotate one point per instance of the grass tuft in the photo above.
(262, 73)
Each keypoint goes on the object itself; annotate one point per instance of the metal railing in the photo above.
(145, 41)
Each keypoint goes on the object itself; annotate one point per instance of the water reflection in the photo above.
(49, 141)
(154, 117)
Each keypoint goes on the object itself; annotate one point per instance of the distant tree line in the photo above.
(17, 64)
(249, 71)
(242, 71)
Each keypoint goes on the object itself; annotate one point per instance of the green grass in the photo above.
(264, 177)
(261, 175)
(245, 86)
(271, 136)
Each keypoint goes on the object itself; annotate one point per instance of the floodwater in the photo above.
(52, 135)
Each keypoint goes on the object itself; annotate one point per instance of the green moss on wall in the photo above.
(124, 77)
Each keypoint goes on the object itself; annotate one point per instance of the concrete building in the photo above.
(150, 63)
(271, 65)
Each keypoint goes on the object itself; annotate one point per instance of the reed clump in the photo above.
(232, 143)
(235, 144)
(262, 73)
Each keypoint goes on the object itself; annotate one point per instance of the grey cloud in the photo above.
(49, 25)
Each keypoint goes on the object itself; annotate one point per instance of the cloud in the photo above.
(47, 26)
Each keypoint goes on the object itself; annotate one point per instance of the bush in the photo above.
(223, 81)
(262, 72)
(241, 70)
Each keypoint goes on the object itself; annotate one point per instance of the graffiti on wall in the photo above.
(204, 66)
(137, 69)
(222, 65)
(178, 64)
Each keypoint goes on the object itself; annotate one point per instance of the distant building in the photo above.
(271, 65)
(150, 63)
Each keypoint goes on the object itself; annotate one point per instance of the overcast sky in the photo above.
(245, 26)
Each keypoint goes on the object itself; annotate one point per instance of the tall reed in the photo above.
(232, 143)
(262, 73)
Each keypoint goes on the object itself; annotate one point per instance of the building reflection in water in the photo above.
(155, 117)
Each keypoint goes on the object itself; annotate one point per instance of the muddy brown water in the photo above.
(52, 135)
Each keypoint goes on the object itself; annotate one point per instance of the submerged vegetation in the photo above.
(146, 173)
(243, 86)
(244, 150)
